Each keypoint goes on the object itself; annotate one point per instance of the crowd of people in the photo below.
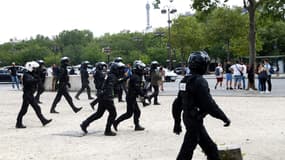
(236, 74)
(137, 82)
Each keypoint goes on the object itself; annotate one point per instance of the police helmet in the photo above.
(101, 66)
(154, 65)
(31, 66)
(64, 60)
(138, 67)
(41, 62)
(117, 68)
(84, 64)
(198, 62)
(118, 59)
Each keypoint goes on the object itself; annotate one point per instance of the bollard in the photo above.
(230, 152)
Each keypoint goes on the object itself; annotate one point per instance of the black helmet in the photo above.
(101, 66)
(41, 62)
(154, 65)
(64, 61)
(138, 67)
(198, 62)
(118, 59)
(84, 64)
(117, 68)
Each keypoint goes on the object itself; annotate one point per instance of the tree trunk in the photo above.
(252, 38)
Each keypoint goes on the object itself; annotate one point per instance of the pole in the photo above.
(169, 45)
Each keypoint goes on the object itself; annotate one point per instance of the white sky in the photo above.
(22, 19)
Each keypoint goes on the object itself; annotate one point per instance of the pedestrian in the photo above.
(162, 75)
(84, 80)
(243, 75)
(229, 75)
(63, 83)
(237, 73)
(155, 80)
(268, 68)
(14, 75)
(135, 90)
(55, 74)
(219, 75)
(99, 78)
(195, 101)
(41, 73)
(262, 76)
(106, 100)
(29, 88)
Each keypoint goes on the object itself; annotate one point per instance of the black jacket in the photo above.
(84, 76)
(195, 100)
(135, 86)
(29, 83)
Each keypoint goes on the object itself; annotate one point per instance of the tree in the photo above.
(272, 6)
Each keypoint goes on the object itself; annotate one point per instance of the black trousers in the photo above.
(269, 83)
(196, 134)
(40, 90)
(83, 87)
(62, 91)
(132, 109)
(102, 107)
(28, 98)
(155, 93)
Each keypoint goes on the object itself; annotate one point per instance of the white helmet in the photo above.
(30, 66)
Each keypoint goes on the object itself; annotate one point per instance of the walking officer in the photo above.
(63, 83)
(155, 81)
(84, 80)
(99, 76)
(196, 102)
(41, 73)
(29, 88)
(135, 89)
(106, 101)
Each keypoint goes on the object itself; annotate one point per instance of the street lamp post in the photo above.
(169, 11)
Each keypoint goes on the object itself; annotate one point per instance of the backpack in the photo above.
(217, 71)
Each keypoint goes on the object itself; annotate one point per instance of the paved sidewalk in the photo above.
(258, 126)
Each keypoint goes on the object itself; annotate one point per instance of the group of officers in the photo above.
(193, 100)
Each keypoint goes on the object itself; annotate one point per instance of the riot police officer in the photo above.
(155, 80)
(84, 80)
(196, 102)
(119, 87)
(135, 89)
(106, 101)
(63, 80)
(99, 76)
(30, 84)
(41, 73)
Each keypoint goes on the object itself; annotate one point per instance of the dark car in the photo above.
(6, 77)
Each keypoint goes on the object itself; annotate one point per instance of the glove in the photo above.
(227, 123)
(177, 128)
(68, 85)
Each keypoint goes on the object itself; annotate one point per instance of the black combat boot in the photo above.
(83, 127)
(20, 125)
(76, 109)
(139, 128)
(45, 122)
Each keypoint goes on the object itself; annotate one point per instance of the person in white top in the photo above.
(237, 72)
(219, 75)
(244, 71)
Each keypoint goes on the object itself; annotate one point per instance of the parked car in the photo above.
(6, 77)
(179, 70)
(170, 76)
